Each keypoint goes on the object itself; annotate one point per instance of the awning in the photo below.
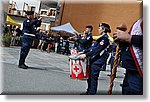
(66, 28)
(10, 21)
(110, 38)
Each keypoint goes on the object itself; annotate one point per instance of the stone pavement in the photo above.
(49, 74)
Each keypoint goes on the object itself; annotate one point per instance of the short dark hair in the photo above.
(89, 26)
(29, 12)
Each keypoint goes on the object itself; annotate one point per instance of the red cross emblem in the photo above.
(76, 69)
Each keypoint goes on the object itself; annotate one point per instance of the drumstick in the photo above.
(122, 27)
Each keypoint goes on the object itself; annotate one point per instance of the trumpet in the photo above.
(76, 36)
(73, 37)
(81, 33)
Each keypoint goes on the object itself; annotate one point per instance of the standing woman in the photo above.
(29, 31)
(98, 56)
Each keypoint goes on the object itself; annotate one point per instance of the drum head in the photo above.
(74, 57)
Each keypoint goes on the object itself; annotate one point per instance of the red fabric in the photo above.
(133, 55)
(136, 62)
(141, 26)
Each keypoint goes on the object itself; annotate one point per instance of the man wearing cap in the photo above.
(29, 30)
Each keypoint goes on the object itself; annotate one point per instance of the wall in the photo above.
(81, 14)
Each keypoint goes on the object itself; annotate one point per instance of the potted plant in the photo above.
(6, 39)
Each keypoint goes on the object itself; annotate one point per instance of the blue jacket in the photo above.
(100, 45)
(29, 26)
(85, 44)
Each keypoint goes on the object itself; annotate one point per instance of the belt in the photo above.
(29, 34)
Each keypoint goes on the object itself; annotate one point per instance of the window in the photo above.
(43, 12)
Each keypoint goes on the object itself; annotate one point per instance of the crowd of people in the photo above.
(50, 43)
(44, 40)
(16, 33)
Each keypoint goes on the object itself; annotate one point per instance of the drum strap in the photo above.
(100, 54)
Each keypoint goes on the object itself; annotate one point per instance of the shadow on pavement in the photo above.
(36, 68)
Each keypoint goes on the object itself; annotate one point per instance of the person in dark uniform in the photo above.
(130, 44)
(98, 57)
(29, 30)
(60, 45)
(86, 42)
(66, 47)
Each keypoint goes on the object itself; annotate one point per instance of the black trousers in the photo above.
(25, 48)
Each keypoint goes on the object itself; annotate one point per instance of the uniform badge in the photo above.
(93, 44)
(102, 42)
(28, 20)
(88, 38)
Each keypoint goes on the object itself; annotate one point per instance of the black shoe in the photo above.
(121, 85)
(26, 66)
(23, 66)
(108, 74)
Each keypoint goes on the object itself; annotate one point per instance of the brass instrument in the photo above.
(76, 36)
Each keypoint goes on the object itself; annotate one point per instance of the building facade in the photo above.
(80, 14)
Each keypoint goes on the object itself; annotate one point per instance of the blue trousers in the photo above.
(95, 68)
(93, 79)
(132, 84)
(25, 48)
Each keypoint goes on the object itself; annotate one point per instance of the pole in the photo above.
(122, 27)
(114, 70)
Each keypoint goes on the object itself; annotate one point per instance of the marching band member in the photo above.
(98, 57)
(84, 43)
